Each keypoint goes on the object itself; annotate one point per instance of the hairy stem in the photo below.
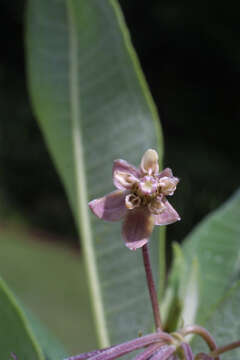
(151, 288)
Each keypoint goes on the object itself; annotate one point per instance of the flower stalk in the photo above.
(224, 349)
(151, 288)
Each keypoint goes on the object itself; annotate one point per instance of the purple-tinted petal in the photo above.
(137, 227)
(167, 216)
(123, 167)
(110, 207)
(188, 354)
(166, 172)
(149, 163)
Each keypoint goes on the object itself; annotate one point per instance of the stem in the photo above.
(225, 348)
(199, 330)
(164, 353)
(149, 351)
(151, 288)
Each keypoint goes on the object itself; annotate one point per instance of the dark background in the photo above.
(190, 54)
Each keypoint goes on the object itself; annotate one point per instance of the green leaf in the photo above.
(51, 347)
(181, 298)
(15, 332)
(93, 106)
(215, 243)
(224, 324)
(46, 279)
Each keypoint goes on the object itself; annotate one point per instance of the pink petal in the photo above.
(110, 207)
(168, 216)
(137, 227)
(124, 167)
(166, 172)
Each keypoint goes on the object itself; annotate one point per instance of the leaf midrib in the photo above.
(81, 184)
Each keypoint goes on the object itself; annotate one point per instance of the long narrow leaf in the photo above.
(93, 106)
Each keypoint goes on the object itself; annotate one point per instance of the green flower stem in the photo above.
(151, 288)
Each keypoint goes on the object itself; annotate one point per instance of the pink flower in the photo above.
(140, 199)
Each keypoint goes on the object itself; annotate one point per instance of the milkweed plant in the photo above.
(92, 104)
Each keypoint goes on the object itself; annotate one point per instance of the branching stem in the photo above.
(225, 348)
(151, 288)
(199, 330)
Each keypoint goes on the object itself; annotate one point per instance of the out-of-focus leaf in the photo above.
(93, 106)
(215, 243)
(51, 347)
(15, 332)
(180, 303)
(50, 281)
(224, 324)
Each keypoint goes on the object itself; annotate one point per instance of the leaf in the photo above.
(215, 243)
(224, 324)
(46, 279)
(93, 106)
(180, 302)
(15, 333)
(51, 347)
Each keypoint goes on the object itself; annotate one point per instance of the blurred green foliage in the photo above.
(51, 282)
(190, 55)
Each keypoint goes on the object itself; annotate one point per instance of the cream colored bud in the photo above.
(125, 179)
(132, 201)
(149, 162)
(168, 185)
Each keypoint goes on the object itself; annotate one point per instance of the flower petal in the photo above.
(166, 172)
(110, 207)
(121, 170)
(168, 216)
(149, 163)
(137, 227)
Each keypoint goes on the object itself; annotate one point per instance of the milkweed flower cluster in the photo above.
(140, 199)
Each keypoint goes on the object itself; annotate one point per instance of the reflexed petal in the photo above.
(166, 172)
(149, 163)
(110, 207)
(168, 216)
(188, 354)
(124, 174)
(137, 227)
